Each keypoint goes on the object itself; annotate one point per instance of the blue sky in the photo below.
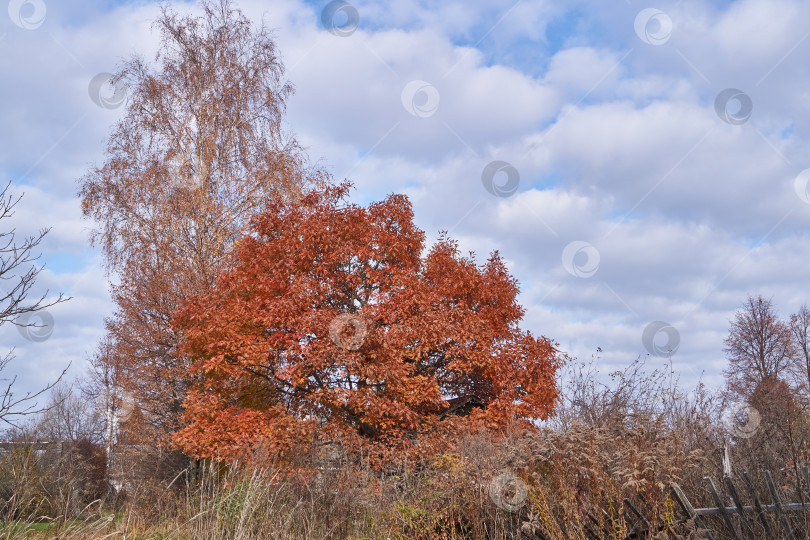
(638, 199)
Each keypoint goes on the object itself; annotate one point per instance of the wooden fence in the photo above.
(746, 516)
(732, 517)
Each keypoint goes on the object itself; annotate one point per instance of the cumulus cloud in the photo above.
(616, 141)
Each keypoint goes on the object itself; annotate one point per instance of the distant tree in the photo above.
(772, 430)
(18, 274)
(768, 367)
(69, 417)
(103, 385)
(69, 468)
(759, 347)
(332, 323)
(199, 149)
(800, 332)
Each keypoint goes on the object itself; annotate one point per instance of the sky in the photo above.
(641, 167)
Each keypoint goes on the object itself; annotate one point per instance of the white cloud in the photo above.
(616, 141)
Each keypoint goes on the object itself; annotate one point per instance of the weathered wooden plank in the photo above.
(745, 525)
(590, 532)
(644, 522)
(593, 519)
(713, 511)
(629, 521)
(721, 506)
(597, 524)
(779, 513)
(760, 512)
(687, 507)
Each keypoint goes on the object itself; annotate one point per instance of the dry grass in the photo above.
(541, 484)
(628, 438)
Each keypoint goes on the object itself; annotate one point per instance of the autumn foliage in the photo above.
(331, 324)
(199, 149)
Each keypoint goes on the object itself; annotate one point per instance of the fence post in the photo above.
(596, 523)
(782, 517)
(689, 509)
(644, 522)
(721, 505)
(749, 532)
(758, 506)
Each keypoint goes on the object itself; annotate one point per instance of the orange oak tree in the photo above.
(332, 324)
